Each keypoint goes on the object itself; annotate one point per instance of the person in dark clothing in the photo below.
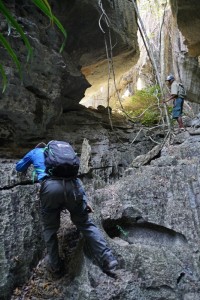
(57, 194)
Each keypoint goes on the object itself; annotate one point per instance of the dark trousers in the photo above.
(59, 194)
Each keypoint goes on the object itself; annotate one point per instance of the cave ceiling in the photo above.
(91, 37)
(88, 41)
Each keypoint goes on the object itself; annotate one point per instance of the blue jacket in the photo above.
(35, 157)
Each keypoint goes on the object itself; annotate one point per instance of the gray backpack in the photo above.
(61, 160)
(181, 91)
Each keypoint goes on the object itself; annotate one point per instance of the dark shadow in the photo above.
(143, 232)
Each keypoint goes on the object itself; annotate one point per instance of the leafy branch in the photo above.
(44, 6)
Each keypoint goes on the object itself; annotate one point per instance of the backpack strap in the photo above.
(33, 176)
(35, 172)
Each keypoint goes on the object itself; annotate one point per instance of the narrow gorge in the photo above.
(142, 181)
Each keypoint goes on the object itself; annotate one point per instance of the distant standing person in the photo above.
(177, 95)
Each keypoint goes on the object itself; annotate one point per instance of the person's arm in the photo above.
(174, 92)
(170, 98)
(24, 163)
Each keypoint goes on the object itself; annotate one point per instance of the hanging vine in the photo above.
(151, 56)
(109, 48)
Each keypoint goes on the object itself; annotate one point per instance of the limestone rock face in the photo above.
(150, 218)
(156, 211)
(88, 22)
(187, 14)
(107, 152)
(21, 243)
(185, 67)
(51, 82)
(169, 47)
(103, 161)
(98, 30)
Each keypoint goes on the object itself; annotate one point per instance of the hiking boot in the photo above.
(109, 264)
(58, 272)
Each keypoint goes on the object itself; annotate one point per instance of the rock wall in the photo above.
(187, 15)
(180, 62)
(169, 46)
(39, 108)
(21, 243)
(97, 30)
(150, 218)
(155, 210)
(51, 81)
(105, 154)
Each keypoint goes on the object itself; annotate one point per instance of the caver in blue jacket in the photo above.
(57, 194)
(35, 157)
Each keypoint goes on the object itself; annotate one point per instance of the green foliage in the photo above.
(143, 106)
(125, 233)
(169, 109)
(44, 6)
(11, 52)
(3, 74)
(14, 23)
(46, 9)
